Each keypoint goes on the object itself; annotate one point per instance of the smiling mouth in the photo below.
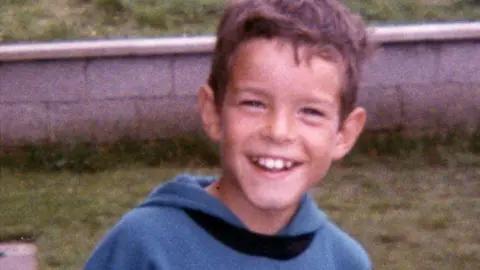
(273, 164)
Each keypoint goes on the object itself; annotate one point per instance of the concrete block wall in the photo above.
(409, 85)
(99, 99)
(415, 86)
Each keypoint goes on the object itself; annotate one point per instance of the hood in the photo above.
(188, 192)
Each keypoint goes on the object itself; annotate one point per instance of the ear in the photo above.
(349, 132)
(208, 112)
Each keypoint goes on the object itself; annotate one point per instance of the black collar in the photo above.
(247, 242)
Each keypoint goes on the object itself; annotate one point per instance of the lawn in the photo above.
(41, 20)
(413, 206)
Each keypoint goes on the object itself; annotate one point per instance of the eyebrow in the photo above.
(310, 100)
(253, 90)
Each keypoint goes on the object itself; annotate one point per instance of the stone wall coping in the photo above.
(205, 44)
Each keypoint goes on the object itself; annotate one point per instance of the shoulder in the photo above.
(347, 252)
(130, 242)
(143, 222)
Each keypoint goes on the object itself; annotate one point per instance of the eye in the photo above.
(312, 112)
(252, 103)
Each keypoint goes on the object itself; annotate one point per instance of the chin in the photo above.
(274, 202)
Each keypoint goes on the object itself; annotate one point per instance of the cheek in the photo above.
(238, 126)
(235, 132)
(318, 142)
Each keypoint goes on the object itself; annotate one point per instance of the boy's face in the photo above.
(279, 127)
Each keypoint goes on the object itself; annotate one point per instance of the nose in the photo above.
(279, 127)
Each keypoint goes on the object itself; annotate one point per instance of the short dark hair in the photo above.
(326, 26)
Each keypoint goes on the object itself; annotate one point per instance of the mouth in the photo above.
(271, 164)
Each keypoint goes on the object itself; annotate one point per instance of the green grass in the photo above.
(423, 218)
(32, 20)
(41, 20)
(66, 213)
(392, 11)
(414, 204)
(89, 157)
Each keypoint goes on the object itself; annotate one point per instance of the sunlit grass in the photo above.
(42, 20)
(65, 213)
(423, 218)
(409, 209)
(417, 218)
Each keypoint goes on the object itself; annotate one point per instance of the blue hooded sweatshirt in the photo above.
(181, 226)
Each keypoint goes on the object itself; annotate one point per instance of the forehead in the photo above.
(271, 65)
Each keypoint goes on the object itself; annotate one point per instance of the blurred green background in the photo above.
(41, 20)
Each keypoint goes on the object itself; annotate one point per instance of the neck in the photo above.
(261, 221)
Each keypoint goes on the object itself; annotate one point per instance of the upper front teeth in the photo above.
(274, 163)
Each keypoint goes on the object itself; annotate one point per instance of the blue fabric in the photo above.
(159, 235)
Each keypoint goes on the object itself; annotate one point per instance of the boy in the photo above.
(280, 102)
